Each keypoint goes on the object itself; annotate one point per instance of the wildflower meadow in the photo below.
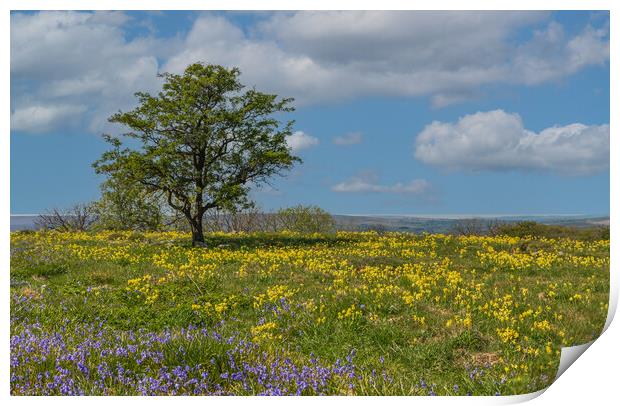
(350, 313)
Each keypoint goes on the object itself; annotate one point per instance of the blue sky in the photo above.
(397, 113)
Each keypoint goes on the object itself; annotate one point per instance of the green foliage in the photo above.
(203, 140)
(305, 219)
(533, 229)
(128, 205)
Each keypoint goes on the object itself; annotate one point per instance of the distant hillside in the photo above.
(442, 225)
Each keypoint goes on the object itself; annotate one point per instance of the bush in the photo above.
(534, 229)
(80, 217)
(300, 219)
(473, 226)
(245, 220)
(305, 219)
(128, 206)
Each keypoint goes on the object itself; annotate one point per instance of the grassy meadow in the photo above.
(351, 313)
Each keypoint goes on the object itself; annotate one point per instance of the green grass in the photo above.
(85, 279)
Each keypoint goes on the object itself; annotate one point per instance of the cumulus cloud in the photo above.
(348, 139)
(369, 184)
(318, 56)
(300, 140)
(66, 58)
(551, 54)
(39, 118)
(83, 58)
(496, 141)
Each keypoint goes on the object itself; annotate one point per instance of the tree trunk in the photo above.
(198, 237)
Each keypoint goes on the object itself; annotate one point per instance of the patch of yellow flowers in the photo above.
(436, 281)
(144, 287)
(274, 295)
(265, 333)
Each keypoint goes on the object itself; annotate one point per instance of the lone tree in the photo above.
(202, 141)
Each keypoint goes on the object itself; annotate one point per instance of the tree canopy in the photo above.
(203, 141)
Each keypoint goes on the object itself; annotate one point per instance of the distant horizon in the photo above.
(482, 215)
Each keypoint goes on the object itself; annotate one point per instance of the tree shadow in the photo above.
(272, 240)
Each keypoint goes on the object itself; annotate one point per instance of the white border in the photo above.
(593, 379)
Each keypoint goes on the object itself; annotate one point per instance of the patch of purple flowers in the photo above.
(80, 359)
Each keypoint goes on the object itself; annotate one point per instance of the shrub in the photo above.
(80, 217)
(305, 219)
(128, 206)
(534, 229)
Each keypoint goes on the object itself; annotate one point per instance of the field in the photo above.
(351, 313)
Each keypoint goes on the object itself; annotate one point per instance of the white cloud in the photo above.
(76, 58)
(496, 140)
(552, 55)
(81, 58)
(39, 118)
(300, 140)
(318, 56)
(348, 139)
(369, 184)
